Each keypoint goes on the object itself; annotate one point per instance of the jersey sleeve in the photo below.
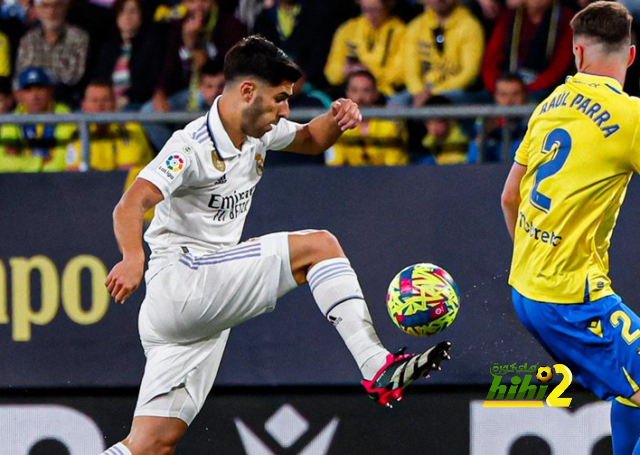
(172, 167)
(281, 135)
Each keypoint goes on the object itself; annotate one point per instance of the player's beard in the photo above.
(251, 116)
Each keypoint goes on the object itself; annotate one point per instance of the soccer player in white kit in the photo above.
(201, 282)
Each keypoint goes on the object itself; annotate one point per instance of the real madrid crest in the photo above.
(259, 163)
(218, 162)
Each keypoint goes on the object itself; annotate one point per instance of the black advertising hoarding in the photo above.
(315, 421)
(58, 328)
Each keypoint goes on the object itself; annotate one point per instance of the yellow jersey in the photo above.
(374, 143)
(581, 149)
(35, 148)
(114, 147)
(379, 50)
(457, 65)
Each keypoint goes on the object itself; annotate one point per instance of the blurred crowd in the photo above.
(93, 56)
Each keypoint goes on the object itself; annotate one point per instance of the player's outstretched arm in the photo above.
(511, 196)
(128, 216)
(323, 131)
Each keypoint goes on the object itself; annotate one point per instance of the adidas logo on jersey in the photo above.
(221, 181)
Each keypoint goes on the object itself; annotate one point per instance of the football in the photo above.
(423, 300)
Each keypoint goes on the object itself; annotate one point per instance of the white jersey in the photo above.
(207, 184)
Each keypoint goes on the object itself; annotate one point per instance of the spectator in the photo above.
(205, 32)
(35, 148)
(300, 28)
(443, 51)
(372, 41)
(54, 45)
(445, 143)
(99, 22)
(510, 91)
(533, 41)
(211, 84)
(114, 146)
(130, 59)
(6, 97)
(374, 141)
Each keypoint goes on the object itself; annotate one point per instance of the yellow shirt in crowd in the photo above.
(16, 154)
(379, 50)
(457, 66)
(117, 147)
(377, 142)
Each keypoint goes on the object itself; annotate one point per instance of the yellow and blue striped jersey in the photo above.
(580, 150)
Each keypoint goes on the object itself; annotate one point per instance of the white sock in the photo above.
(118, 449)
(337, 293)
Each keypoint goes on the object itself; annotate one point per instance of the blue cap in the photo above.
(34, 75)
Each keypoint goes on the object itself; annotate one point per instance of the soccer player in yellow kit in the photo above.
(560, 203)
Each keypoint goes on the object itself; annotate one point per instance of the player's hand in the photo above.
(124, 278)
(346, 114)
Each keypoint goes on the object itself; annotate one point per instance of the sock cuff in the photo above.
(328, 269)
(118, 449)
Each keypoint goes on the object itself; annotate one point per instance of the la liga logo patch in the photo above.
(172, 166)
(175, 162)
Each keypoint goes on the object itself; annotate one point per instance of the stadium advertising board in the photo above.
(58, 327)
(327, 421)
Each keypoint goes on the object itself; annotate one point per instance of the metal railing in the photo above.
(300, 115)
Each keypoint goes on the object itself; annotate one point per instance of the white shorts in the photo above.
(192, 302)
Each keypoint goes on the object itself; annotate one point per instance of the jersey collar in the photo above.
(589, 78)
(218, 135)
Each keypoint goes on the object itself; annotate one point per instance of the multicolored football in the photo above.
(423, 300)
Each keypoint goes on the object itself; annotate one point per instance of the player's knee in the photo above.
(154, 445)
(325, 245)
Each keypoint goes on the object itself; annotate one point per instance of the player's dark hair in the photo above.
(607, 22)
(258, 57)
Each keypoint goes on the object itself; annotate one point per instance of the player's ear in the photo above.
(632, 56)
(247, 90)
(578, 52)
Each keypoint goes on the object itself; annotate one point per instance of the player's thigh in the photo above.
(201, 295)
(521, 308)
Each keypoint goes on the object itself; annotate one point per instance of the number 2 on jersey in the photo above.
(558, 144)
